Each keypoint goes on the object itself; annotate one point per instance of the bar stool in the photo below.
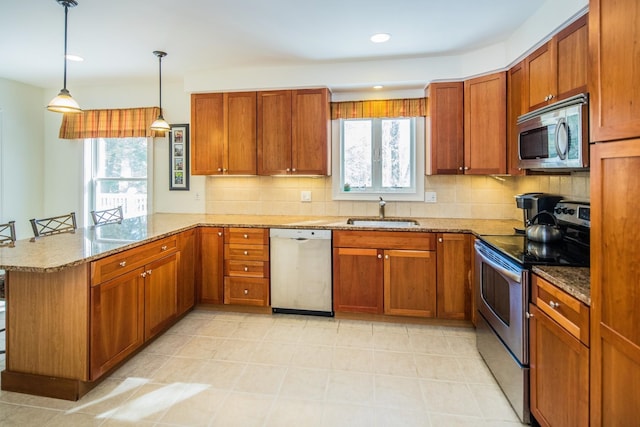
(53, 225)
(107, 216)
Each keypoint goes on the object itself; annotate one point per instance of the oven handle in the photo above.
(516, 277)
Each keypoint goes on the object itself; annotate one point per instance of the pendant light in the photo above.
(160, 124)
(64, 103)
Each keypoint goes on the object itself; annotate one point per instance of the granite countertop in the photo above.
(576, 281)
(53, 253)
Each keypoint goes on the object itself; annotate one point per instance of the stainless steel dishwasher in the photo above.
(301, 280)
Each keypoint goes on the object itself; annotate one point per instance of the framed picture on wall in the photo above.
(179, 157)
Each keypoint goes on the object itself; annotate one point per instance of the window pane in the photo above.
(357, 150)
(130, 194)
(396, 153)
(121, 157)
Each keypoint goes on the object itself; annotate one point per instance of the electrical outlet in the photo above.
(430, 197)
(197, 196)
(305, 196)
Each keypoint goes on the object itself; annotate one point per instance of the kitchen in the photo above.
(464, 186)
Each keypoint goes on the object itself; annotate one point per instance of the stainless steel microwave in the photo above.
(556, 136)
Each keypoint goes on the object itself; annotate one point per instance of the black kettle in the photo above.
(544, 233)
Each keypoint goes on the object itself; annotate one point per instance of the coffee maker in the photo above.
(534, 203)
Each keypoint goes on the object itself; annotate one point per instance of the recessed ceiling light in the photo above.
(378, 87)
(75, 58)
(380, 37)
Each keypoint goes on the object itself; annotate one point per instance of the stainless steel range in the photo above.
(503, 265)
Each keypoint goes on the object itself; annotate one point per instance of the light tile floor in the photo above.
(232, 369)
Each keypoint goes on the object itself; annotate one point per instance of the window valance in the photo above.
(117, 123)
(413, 107)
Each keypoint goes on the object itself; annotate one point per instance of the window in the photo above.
(380, 157)
(119, 175)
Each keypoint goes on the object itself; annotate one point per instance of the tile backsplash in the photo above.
(457, 196)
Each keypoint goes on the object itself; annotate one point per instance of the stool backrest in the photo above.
(8, 234)
(53, 225)
(107, 216)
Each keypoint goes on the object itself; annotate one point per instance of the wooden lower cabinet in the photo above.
(559, 365)
(188, 247)
(357, 280)
(160, 294)
(210, 273)
(410, 283)
(246, 291)
(117, 320)
(454, 276)
(246, 266)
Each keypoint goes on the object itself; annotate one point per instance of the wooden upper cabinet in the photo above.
(310, 131)
(274, 132)
(614, 69)
(558, 69)
(445, 134)
(515, 108)
(240, 133)
(485, 122)
(207, 133)
(223, 133)
(293, 132)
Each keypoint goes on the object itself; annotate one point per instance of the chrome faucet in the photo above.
(381, 208)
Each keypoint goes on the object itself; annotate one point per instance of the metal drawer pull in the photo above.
(554, 304)
(246, 269)
(123, 263)
(246, 236)
(246, 291)
(528, 315)
(144, 274)
(379, 256)
(164, 247)
(246, 252)
(149, 272)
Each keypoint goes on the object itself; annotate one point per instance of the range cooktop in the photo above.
(528, 253)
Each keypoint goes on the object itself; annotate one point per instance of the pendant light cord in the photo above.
(66, 12)
(160, 81)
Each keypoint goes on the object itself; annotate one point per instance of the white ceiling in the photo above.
(117, 37)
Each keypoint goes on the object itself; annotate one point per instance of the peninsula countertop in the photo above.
(54, 253)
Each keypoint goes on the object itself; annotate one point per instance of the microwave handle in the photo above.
(562, 138)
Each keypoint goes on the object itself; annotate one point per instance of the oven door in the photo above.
(502, 293)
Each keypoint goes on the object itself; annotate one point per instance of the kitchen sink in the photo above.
(383, 222)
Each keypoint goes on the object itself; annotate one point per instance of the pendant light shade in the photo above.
(160, 124)
(64, 103)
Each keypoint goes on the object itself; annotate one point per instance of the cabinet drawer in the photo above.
(385, 240)
(247, 236)
(246, 252)
(246, 291)
(570, 313)
(115, 265)
(239, 268)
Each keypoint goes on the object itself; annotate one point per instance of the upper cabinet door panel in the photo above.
(274, 132)
(310, 131)
(572, 59)
(241, 120)
(445, 137)
(541, 68)
(614, 69)
(207, 133)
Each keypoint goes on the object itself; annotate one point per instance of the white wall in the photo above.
(21, 154)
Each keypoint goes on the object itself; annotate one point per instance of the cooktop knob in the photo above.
(572, 211)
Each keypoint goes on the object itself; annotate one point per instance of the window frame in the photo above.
(90, 165)
(338, 192)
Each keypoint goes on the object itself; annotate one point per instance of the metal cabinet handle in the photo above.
(460, 168)
(440, 239)
(288, 170)
(149, 272)
(219, 169)
(554, 304)
(246, 236)
(123, 263)
(386, 257)
(164, 247)
(466, 168)
(246, 291)
(293, 170)
(246, 269)
(143, 274)
(220, 233)
(379, 256)
(246, 252)
(528, 315)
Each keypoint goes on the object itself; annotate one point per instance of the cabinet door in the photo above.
(310, 131)
(454, 276)
(615, 335)
(572, 52)
(240, 137)
(559, 374)
(541, 76)
(210, 285)
(188, 247)
(485, 121)
(410, 283)
(274, 132)
(614, 64)
(515, 108)
(160, 294)
(117, 320)
(357, 280)
(207, 134)
(446, 135)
